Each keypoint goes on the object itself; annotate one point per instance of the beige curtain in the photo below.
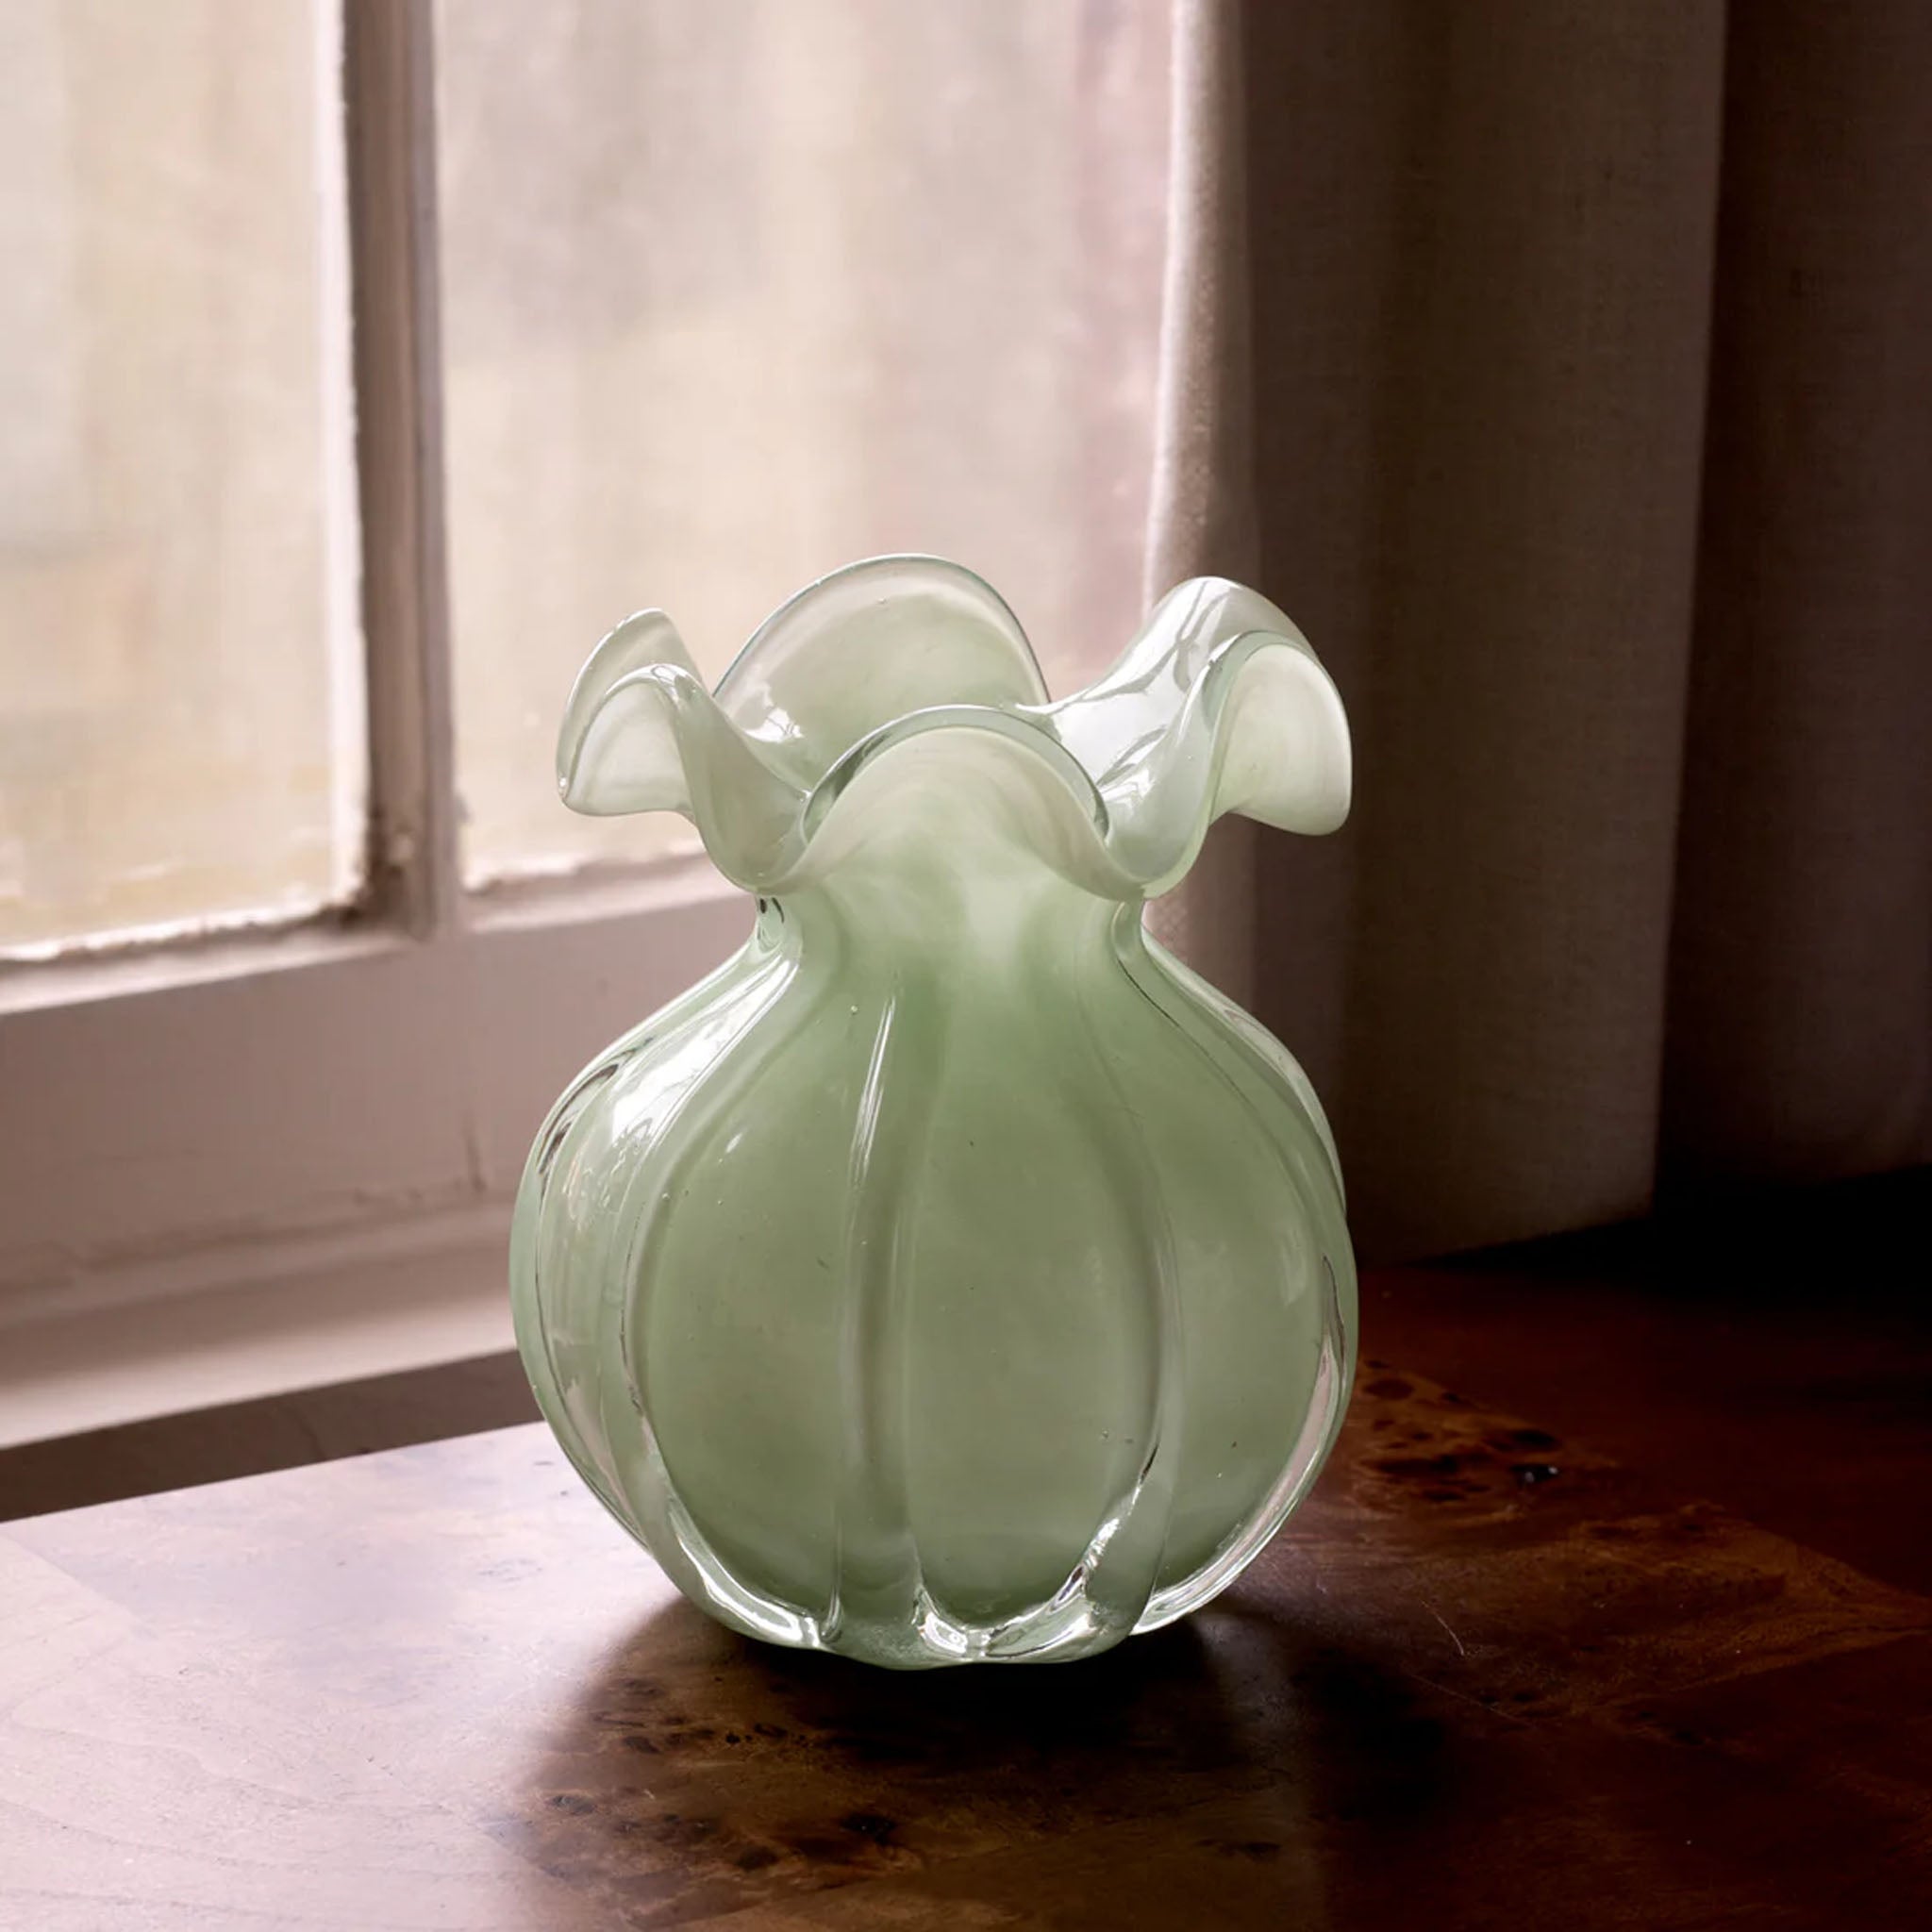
(1565, 369)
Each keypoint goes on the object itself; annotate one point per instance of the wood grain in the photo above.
(1490, 1676)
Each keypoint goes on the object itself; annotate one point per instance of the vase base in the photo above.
(894, 1621)
(929, 1639)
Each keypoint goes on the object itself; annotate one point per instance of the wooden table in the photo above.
(1490, 1676)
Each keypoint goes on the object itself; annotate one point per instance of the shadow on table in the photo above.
(701, 1772)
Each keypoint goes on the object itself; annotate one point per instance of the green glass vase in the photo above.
(952, 1276)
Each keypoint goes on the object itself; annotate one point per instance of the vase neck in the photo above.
(986, 921)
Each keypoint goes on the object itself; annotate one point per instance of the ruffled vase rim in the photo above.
(1217, 704)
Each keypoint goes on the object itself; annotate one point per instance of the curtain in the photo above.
(1565, 370)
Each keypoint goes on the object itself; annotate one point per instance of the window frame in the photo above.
(214, 1145)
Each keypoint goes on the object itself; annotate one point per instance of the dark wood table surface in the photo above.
(1628, 1626)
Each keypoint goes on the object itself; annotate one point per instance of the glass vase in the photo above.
(952, 1276)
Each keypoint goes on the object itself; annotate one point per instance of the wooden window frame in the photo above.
(240, 1163)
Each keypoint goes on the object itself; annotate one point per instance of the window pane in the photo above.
(181, 730)
(736, 290)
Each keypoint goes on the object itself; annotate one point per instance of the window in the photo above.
(363, 361)
(181, 728)
(734, 292)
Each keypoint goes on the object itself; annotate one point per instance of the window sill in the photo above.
(301, 1312)
(275, 1163)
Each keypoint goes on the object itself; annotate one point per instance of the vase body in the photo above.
(952, 1276)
